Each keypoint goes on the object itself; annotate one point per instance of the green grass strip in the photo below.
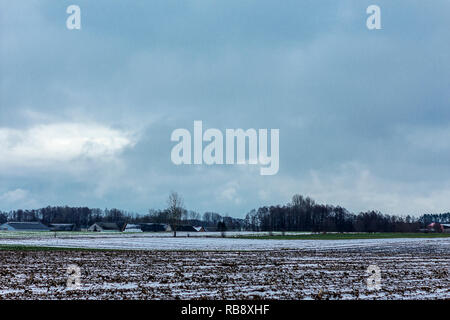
(346, 236)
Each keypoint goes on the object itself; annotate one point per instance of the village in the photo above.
(98, 227)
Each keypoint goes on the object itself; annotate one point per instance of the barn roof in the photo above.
(146, 227)
(27, 226)
(132, 226)
(108, 225)
(186, 228)
(62, 227)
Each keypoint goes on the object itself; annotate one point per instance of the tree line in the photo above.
(304, 214)
(82, 217)
(301, 214)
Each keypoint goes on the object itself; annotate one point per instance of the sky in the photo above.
(86, 115)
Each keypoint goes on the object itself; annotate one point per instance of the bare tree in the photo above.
(175, 210)
(193, 215)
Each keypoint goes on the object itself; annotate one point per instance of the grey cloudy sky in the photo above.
(86, 115)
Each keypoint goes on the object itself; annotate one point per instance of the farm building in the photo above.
(199, 229)
(24, 226)
(132, 228)
(186, 228)
(104, 227)
(62, 227)
(155, 227)
(438, 227)
(445, 227)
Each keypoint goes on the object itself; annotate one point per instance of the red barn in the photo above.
(435, 226)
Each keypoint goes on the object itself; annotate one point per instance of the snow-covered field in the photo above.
(217, 268)
(410, 269)
(77, 234)
(152, 242)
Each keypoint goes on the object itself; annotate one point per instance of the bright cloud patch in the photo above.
(14, 195)
(62, 142)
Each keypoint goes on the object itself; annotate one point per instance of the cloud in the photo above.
(337, 91)
(14, 195)
(356, 187)
(17, 198)
(47, 144)
(230, 193)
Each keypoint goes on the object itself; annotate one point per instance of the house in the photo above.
(435, 227)
(445, 227)
(199, 229)
(186, 228)
(438, 227)
(104, 227)
(62, 227)
(24, 226)
(155, 227)
(132, 228)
